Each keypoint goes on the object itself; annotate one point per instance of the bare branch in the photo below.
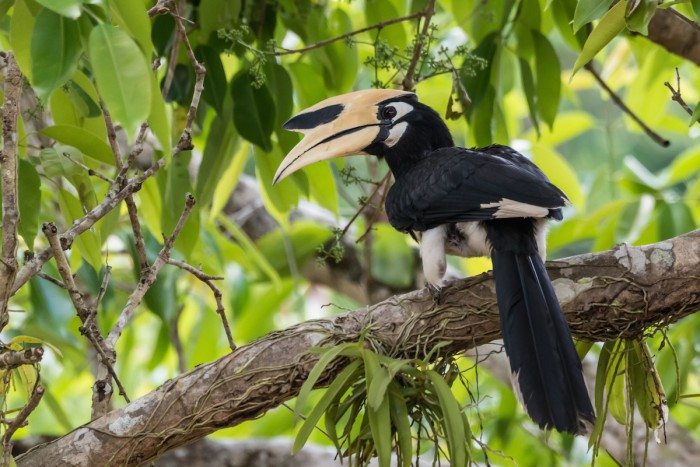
(616, 99)
(8, 167)
(102, 389)
(91, 172)
(676, 94)
(622, 292)
(325, 42)
(12, 359)
(408, 83)
(148, 277)
(185, 142)
(675, 33)
(208, 280)
(111, 200)
(20, 421)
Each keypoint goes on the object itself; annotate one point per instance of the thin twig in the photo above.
(102, 389)
(148, 277)
(408, 83)
(48, 278)
(676, 93)
(200, 71)
(20, 421)
(375, 214)
(91, 172)
(129, 200)
(364, 205)
(380, 25)
(8, 167)
(208, 280)
(616, 99)
(103, 288)
(113, 197)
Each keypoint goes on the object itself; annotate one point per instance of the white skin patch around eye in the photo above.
(402, 108)
(395, 133)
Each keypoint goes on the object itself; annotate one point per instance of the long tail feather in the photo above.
(545, 367)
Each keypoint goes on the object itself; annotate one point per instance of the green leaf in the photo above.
(122, 74)
(376, 393)
(68, 8)
(131, 16)
(548, 74)
(452, 416)
(477, 84)
(696, 115)
(674, 219)
(638, 18)
(280, 85)
(686, 165)
(392, 257)
(328, 355)
(282, 197)
(217, 14)
(382, 10)
(560, 173)
(377, 409)
(55, 51)
(177, 185)
(336, 389)
(646, 385)
(214, 92)
(250, 248)
(308, 84)
(400, 419)
(589, 10)
(229, 180)
(218, 152)
(610, 25)
(29, 201)
(302, 237)
(21, 31)
(529, 91)
(86, 142)
(253, 110)
(158, 117)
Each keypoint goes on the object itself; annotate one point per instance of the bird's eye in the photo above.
(388, 112)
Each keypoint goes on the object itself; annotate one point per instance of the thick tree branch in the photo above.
(8, 166)
(675, 33)
(618, 293)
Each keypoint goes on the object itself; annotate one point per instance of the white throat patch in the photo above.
(396, 133)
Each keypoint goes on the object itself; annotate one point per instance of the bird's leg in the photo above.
(432, 252)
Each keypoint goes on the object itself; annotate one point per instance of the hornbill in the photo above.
(490, 201)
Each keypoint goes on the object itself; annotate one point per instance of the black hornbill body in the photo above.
(469, 202)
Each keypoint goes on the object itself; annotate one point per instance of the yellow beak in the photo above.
(338, 126)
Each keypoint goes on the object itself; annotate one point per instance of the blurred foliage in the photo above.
(502, 72)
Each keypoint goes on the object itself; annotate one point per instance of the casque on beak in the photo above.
(338, 126)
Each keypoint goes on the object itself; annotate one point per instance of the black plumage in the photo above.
(487, 201)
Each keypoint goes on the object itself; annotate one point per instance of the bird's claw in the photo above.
(435, 292)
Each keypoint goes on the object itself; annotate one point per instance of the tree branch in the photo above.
(675, 33)
(408, 83)
(8, 167)
(624, 292)
(148, 277)
(657, 138)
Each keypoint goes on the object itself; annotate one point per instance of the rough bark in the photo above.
(619, 293)
(675, 33)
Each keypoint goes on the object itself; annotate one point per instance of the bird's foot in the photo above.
(436, 291)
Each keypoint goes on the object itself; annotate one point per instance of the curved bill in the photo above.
(339, 126)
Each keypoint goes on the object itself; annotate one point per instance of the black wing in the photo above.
(458, 185)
